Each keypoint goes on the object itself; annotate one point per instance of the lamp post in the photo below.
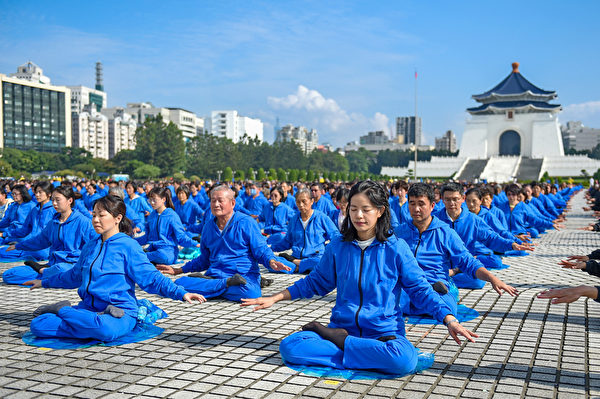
(253, 175)
(219, 175)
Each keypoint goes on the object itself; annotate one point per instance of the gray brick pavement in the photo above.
(526, 348)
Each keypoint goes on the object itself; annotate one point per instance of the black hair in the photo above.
(45, 186)
(378, 196)
(23, 191)
(184, 188)
(400, 184)
(421, 190)
(512, 189)
(132, 184)
(115, 206)
(342, 193)
(68, 193)
(278, 189)
(451, 187)
(164, 193)
(316, 184)
(475, 191)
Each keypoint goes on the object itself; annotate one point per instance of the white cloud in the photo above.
(325, 114)
(590, 108)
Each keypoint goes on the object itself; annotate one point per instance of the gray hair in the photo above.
(304, 190)
(225, 188)
(117, 192)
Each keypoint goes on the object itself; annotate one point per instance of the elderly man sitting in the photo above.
(232, 247)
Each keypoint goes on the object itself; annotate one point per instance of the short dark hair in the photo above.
(451, 187)
(512, 189)
(378, 196)
(475, 191)
(45, 186)
(115, 206)
(278, 189)
(23, 191)
(421, 190)
(185, 189)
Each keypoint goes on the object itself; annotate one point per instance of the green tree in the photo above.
(146, 172)
(293, 176)
(251, 173)
(360, 160)
(240, 175)
(272, 174)
(227, 174)
(161, 144)
(178, 176)
(5, 168)
(261, 174)
(281, 175)
(301, 175)
(310, 176)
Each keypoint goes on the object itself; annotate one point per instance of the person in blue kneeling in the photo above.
(231, 247)
(106, 273)
(370, 268)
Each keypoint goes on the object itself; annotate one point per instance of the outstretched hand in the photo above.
(522, 247)
(34, 283)
(190, 297)
(583, 258)
(262, 302)
(455, 329)
(562, 295)
(278, 266)
(579, 264)
(166, 269)
(500, 286)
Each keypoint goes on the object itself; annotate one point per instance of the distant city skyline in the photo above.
(342, 68)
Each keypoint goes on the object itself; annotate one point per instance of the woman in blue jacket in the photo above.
(276, 216)
(17, 212)
(370, 269)
(106, 274)
(164, 230)
(65, 234)
(138, 205)
(189, 212)
(35, 222)
(306, 235)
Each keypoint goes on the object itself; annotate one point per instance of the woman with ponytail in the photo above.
(106, 274)
(65, 235)
(164, 230)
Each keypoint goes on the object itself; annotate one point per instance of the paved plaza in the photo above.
(527, 347)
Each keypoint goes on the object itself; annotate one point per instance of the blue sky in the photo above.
(342, 67)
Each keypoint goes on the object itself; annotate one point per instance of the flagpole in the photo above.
(415, 125)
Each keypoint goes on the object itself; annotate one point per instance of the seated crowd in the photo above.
(389, 249)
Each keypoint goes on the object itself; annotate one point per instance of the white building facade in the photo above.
(231, 125)
(188, 122)
(121, 130)
(308, 140)
(90, 131)
(82, 96)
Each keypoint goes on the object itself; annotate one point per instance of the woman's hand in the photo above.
(455, 329)
(572, 265)
(34, 284)
(278, 266)
(190, 297)
(570, 294)
(11, 247)
(262, 302)
(166, 269)
(500, 286)
(522, 247)
(583, 258)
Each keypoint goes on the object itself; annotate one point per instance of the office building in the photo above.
(409, 128)
(231, 125)
(447, 142)
(121, 130)
(90, 131)
(308, 140)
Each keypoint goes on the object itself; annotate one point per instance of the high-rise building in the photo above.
(121, 130)
(82, 96)
(90, 131)
(409, 127)
(233, 126)
(575, 136)
(308, 140)
(34, 115)
(447, 142)
(378, 137)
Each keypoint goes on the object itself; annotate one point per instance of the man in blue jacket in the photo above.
(322, 203)
(438, 248)
(477, 236)
(231, 249)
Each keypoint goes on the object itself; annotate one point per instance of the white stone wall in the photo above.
(539, 131)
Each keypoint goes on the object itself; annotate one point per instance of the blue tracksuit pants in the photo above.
(211, 288)
(19, 274)
(397, 356)
(305, 267)
(16, 255)
(78, 322)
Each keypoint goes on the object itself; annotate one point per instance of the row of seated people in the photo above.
(232, 246)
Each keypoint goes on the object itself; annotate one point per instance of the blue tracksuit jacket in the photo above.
(107, 272)
(310, 242)
(15, 216)
(89, 200)
(477, 236)
(519, 219)
(276, 219)
(495, 224)
(164, 232)
(64, 239)
(36, 220)
(238, 249)
(437, 250)
(369, 284)
(189, 213)
(324, 205)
